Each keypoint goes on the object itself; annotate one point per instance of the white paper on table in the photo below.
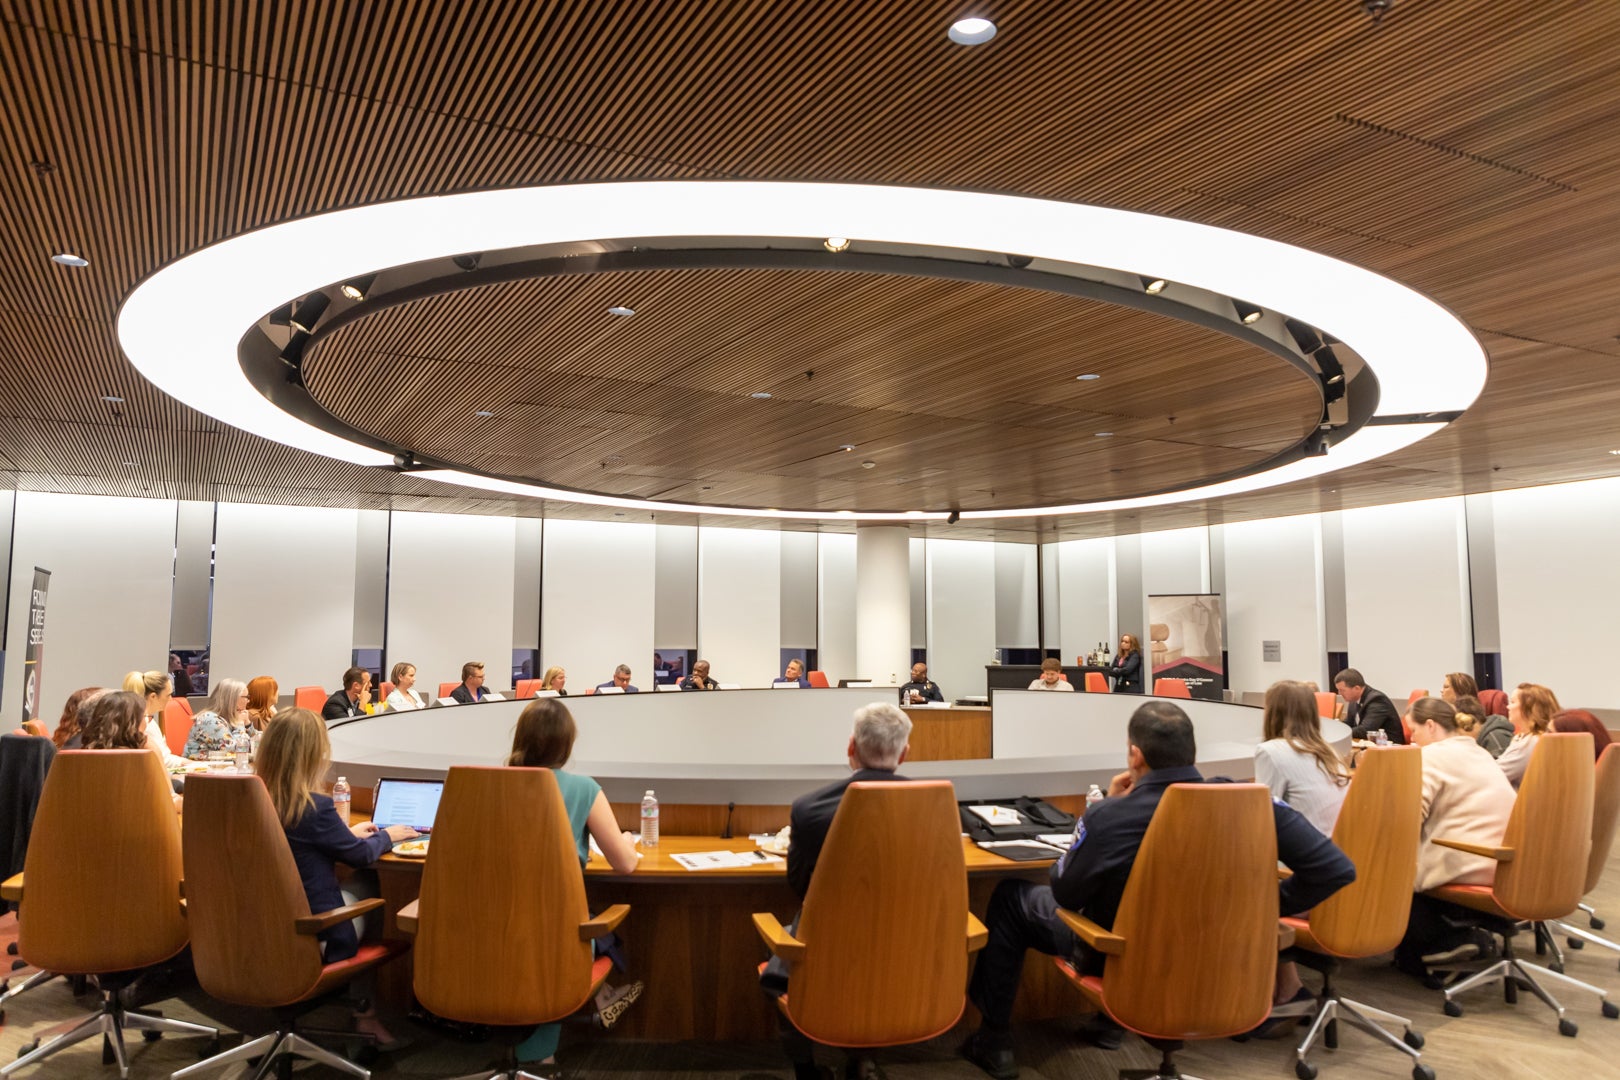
(998, 815)
(1059, 840)
(724, 860)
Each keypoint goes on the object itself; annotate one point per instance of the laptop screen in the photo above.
(407, 802)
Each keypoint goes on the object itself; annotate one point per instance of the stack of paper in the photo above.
(997, 815)
(724, 860)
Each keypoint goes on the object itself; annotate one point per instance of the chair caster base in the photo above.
(27, 1048)
(1422, 1072)
(1414, 1039)
(1574, 943)
(1611, 1011)
(1451, 1008)
(1304, 1070)
(207, 1049)
(1595, 923)
(1567, 1028)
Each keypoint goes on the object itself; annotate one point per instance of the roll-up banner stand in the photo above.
(34, 657)
(1184, 642)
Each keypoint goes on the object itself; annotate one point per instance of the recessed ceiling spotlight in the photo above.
(760, 396)
(483, 412)
(847, 447)
(1154, 285)
(868, 464)
(67, 258)
(356, 290)
(621, 311)
(129, 464)
(1247, 312)
(1103, 435)
(1616, 453)
(971, 31)
(112, 399)
(836, 243)
(1088, 377)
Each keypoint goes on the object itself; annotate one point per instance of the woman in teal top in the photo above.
(545, 739)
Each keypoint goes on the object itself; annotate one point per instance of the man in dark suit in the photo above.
(472, 684)
(920, 688)
(1368, 710)
(351, 700)
(877, 747)
(1090, 878)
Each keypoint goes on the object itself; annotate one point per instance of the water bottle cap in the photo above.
(343, 780)
(649, 792)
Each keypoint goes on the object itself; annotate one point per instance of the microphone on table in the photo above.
(725, 833)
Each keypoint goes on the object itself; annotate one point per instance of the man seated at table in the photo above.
(920, 688)
(1090, 879)
(1367, 710)
(472, 684)
(877, 747)
(1051, 676)
(793, 676)
(620, 681)
(699, 679)
(351, 700)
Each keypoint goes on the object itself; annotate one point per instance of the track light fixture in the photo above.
(356, 290)
(956, 515)
(1332, 373)
(1153, 285)
(1307, 337)
(282, 316)
(292, 354)
(1018, 262)
(1247, 313)
(307, 314)
(468, 262)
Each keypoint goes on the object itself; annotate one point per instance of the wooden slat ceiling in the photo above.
(1468, 148)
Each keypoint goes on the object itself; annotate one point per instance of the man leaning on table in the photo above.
(351, 700)
(472, 684)
(1368, 710)
(877, 747)
(1090, 878)
(1051, 676)
(921, 688)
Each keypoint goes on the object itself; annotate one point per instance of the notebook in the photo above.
(407, 802)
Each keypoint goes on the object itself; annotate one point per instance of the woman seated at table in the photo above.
(1458, 684)
(544, 739)
(68, 727)
(1531, 707)
(213, 729)
(1295, 761)
(262, 692)
(1126, 669)
(114, 720)
(400, 698)
(155, 687)
(293, 758)
(1492, 732)
(554, 679)
(1575, 721)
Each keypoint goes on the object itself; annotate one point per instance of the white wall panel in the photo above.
(1557, 582)
(371, 578)
(961, 614)
(799, 568)
(596, 608)
(450, 589)
(193, 575)
(740, 604)
(836, 625)
(112, 573)
(284, 594)
(675, 600)
(1085, 595)
(1175, 562)
(917, 550)
(1016, 605)
(1406, 594)
(1273, 575)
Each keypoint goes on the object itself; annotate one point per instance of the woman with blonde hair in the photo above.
(1295, 761)
(293, 759)
(1531, 707)
(262, 692)
(158, 691)
(554, 679)
(213, 729)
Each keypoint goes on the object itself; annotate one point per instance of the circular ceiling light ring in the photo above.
(182, 325)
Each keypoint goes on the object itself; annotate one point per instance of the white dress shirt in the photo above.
(1040, 684)
(402, 700)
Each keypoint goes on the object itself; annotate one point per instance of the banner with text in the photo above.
(1184, 642)
(34, 657)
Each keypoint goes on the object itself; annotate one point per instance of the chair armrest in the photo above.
(1500, 854)
(1285, 936)
(977, 935)
(778, 940)
(406, 917)
(1104, 941)
(314, 924)
(599, 925)
(12, 889)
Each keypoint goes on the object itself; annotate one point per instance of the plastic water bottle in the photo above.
(649, 820)
(242, 746)
(1094, 796)
(341, 797)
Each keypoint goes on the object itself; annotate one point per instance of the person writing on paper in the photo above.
(1090, 878)
(877, 747)
(293, 759)
(920, 688)
(554, 680)
(620, 680)
(544, 739)
(1051, 676)
(699, 679)
(793, 675)
(351, 700)
(472, 684)
(400, 698)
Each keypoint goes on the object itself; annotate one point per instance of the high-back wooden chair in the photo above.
(1380, 829)
(1540, 870)
(177, 721)
(1096, 682)
(503, 936)
(1176, 688)
(253, 937)
(312, 698)
(1605, 814)
(1193, 950)
(100, 889)
(879, 954)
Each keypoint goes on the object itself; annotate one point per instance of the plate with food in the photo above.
(778, 845)
(412, 849)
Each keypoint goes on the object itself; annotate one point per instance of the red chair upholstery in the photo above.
(818, 679)
(1171, 688)
(445, 688)
(527, 688)
(1326, 703)
(177, 721)
(1096, 683)
(387, 688)
(1495, 702)
(312, 698)
(1414, 695)
(184, 703)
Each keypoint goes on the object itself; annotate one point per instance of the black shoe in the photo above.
(997, 1060)
(1101, 1031)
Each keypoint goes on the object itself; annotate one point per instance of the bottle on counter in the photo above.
(649, 821)
(342, 797)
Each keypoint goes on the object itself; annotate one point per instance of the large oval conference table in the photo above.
(739, 758)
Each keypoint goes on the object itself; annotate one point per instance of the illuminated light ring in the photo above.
(181, 326)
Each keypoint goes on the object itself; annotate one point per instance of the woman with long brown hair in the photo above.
(1295, 761)
(1127, 666)
(1531, 707)
(68, 726)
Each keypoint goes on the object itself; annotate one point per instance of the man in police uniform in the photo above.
(920, 689)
